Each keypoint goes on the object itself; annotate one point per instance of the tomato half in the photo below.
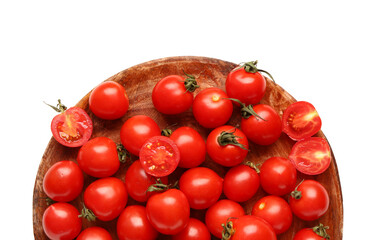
(315, 233)
(195, 230)
(94, 233)
(301, 120)
(109, 100)
(311, 156)
(61, 221)
(159, 156)
(211, 108)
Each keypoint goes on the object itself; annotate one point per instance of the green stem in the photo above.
(297, 194)
(251, 67)
(190, 82)
(253, 166)
(226, 138)
(88, 214)
(166, 132)
(59, 107)
(228, 229)
(122, 153)
(321, 231)
(246, 111)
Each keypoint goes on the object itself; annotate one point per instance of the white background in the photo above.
(316, 50)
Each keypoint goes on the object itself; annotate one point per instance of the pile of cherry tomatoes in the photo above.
(166, 206)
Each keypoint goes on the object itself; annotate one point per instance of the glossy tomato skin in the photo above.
(99, 157)
(137, 182)
(170, 96)
(276, 211)
(94, 233)
(228, 155)
(252, 227)
(202, 187)
(278, 176)
(241, 183)
(136, 131)
(109, 100)
(63, 181)
(247, 87)
(301, 120)
(211, 108)
(219, 213)
(159, 156)
(313, 203)
(307, 234)
(133, 224)
(72, 128)
(61, 221)
(311, 156)
(168, 212)
(106, 198)
(259, 131)
(191, 146)
(195, 230)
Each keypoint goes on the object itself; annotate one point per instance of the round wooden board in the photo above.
(139, 82)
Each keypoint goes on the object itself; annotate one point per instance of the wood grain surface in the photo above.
(139, 82)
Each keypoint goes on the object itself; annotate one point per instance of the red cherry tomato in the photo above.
(159, 156)
(252, 227)
(259, 131)
(202, 187)
(170, 95)
(133, 224)
(195, 230)
(136, 131)
(168, 212)
(315, 233)
(310, 200)
(109, 100)
(138, 181)
(211, 108)
(241, 183)
(245, 86)
(278, 176)
(311, 156)
(99, 157)
(106, 198)
(72, 127)
(94, 233)
(227, 146)
(219, 213)
(191, 146)
(61, 221)
(63, 181)
(276, 211)
(301, 120)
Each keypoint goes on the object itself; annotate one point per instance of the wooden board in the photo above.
(139, 82)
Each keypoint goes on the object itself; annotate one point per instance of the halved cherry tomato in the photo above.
(315, 233)
(301, 120)
(195, 230)
(311, 156)
(72, 127)
(159, 156)
(94, 233)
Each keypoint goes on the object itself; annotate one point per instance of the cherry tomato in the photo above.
(109, 100)
(61, 221)
(315, 233)
(278, 176)
(99, 157)
(219, 213)
(191, 146)
(106, 198)
(241, 183)
(309, 201)
(138, 181)
(263, 130)
(133, 224)
(63, 181)
(246, 85)
(251, 227)
(171, 96)
(227, 145)
(94, 233)
(202, 187)
(72, 127)
(136, 131)
(276, 211)
(195, 230)
(311, 156)
(159, 156)
(211, 108)
(301, 120)
(168, 212)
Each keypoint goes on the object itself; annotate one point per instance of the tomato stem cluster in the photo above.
(251, 67)
(59, 107)
(226, 138)
(321, 231)
(190, 82)
(123, 154)
(88, 214)
(228, 230)
(246, 110)
(253, 166)
(297, 194)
